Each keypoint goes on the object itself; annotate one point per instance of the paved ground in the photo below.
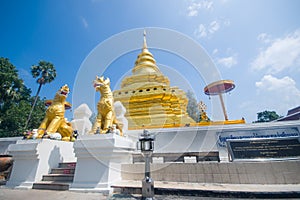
(31, 194)
(215, 189)
(21, 194)
(166, 191)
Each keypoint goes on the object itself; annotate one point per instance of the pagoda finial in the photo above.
(145, 43)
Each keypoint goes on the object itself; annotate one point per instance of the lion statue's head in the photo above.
(63, 92)
(101, 84)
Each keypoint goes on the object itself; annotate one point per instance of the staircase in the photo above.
(59, 179)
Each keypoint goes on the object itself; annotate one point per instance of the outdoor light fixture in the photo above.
(146, 146)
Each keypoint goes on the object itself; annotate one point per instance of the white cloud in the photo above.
(84, 22)
(215, 51)
(277, 94)
(264, 37)
(207, 30)
(194, 7)
(281, 54)
(204, 31)
(200, 31)
(207, 4)
(271, 83)
(213, 27)
(228, 61)
(192, 13)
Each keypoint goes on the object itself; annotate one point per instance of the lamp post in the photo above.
(146, 145)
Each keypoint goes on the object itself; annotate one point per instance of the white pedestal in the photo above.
(81, 121)
(35, 158)
(99, 159)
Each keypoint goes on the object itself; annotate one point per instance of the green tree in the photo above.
(15, 102)
(12, 88)
(192, 107)
(15, 118)
(46, 73)
(266, 116)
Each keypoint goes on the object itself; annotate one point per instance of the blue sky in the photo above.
(255, 43)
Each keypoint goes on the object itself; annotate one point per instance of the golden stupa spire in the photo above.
(145, 62)
(145, 42)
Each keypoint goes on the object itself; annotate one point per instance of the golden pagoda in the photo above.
(149, 99)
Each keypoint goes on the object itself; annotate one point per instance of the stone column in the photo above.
(35, 158)
(99, 159)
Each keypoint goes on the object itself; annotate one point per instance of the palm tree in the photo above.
(46, 73)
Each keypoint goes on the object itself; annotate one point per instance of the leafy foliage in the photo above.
(15, 118)
(15, 102)
(11, 86)
(44, 71)
(192, 107)
(266, 116)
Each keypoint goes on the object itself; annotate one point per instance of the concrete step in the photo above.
(71, 165)
(58, 177)
(63, 171)
(51, 185)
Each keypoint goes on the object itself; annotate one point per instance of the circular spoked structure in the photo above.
(218, 88)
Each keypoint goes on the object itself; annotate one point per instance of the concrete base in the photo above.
(213, 138)
(35, 158)
(99, 159)
(269, 172)
(5, 142)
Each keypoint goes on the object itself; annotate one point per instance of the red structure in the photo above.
(218, 88)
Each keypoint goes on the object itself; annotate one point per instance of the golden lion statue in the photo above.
(106, 115)
(54, 120)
